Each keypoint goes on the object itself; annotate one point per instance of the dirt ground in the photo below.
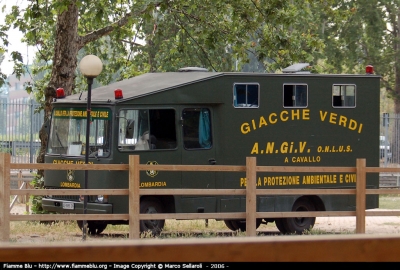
(374, 225)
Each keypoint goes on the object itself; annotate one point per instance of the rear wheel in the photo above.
(151, 206)
(239, 224)
(94, 227)
(279, 222)
(301, 224)
(229, 224)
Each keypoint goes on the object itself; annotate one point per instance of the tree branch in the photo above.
(131, 42)
(83, 40)
(259, 10)
(197, 19)
(195, 41)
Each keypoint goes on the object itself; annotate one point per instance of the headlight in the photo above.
(102, 198)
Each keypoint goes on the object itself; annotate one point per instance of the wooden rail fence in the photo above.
(134, 167)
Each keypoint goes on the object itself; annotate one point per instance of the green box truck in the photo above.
(198, 117)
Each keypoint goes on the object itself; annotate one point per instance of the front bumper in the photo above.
(53, 205)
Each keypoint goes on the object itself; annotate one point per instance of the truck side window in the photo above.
(196, 128)
(295, 95)
(246, 95)
(344, 96)
(146, 129)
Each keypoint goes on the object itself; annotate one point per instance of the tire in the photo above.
(301, 224)
(229, 224)
(279, 222)
(94, 227)
(151, 206)
(239, 224)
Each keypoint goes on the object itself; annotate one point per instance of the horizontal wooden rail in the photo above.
(191, 216)
(69, 191)
(223, 251)
(386, 213)
(381, 169)
(197, 168)
(204, 192)
(382, 191)
(226, 168)
(304, 169)
(55, 217)
(19, 177)
(57, 167)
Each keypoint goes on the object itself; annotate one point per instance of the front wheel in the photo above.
(301, 224)
(94, 227)
(238, 224)
(151, 206)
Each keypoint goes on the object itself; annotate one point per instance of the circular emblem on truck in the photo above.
(70, 175)
(151, 173)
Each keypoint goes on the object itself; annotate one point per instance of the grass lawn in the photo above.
(391, 201)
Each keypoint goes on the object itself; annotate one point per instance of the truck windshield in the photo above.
(68, 132)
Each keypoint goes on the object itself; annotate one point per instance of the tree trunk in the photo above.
(64, 66)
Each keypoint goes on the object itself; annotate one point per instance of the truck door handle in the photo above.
(212, 161)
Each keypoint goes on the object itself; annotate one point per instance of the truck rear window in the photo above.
(343, 96)
(295, 95)
(246, 95)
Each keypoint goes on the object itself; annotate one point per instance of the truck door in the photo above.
(197, 149)
(152, 134)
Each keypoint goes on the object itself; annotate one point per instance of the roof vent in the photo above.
(296, 68)
(191, 69)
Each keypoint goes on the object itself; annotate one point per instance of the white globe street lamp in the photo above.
(90, 66)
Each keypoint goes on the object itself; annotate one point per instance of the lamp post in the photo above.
(90, 66)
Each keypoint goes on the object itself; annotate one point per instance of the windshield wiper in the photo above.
(58, 138)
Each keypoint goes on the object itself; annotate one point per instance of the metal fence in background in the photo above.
(389, 140)
(19, 129)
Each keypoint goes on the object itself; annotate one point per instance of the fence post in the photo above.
(134, 197)
(31, 137)
(20, 186)
(27, 186)
(4, 197)
(360, 195)
(251, 198)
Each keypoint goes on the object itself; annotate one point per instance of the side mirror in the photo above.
(129, 129)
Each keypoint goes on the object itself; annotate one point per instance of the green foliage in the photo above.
(167, 35)
(36, 201)
(361, 33)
